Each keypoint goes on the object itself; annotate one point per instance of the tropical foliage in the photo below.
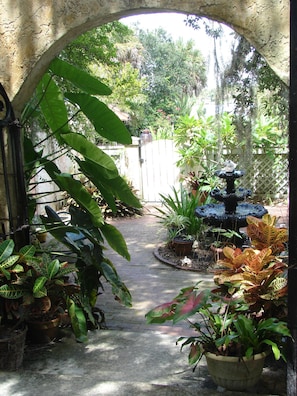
(256, 276)
(97, 166)
(254, 273)
(34, 286)
(112, 53)
(220, 326)
(86, 241)
(177, 213)
(58, 109)
(245, 312)
(264, 233)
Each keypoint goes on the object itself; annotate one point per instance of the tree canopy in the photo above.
(173, 70)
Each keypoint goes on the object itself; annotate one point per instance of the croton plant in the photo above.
(264, 233)
(256, 273)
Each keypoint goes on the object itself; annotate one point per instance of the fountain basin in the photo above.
(215, 214)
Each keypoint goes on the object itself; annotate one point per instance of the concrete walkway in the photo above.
(129, 357)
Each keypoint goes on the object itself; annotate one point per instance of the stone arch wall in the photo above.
(33, 32)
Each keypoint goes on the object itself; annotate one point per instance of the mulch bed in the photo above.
(201, 260)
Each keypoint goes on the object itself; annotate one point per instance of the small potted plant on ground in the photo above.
(178, 217)
(201, 183)
(38, 229)
(33, 289)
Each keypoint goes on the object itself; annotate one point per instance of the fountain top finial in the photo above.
(228, 172)
(229, 166)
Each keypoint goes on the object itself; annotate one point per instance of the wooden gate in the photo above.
(159, 172)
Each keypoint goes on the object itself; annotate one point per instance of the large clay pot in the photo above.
(182, 247)
(235, 373)
(42, 332)
(12, 345)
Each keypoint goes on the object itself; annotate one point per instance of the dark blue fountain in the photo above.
(231, 213)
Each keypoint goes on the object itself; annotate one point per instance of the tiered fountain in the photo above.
(232, 212)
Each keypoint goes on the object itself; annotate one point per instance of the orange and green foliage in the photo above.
(264, 233)
(256, 276)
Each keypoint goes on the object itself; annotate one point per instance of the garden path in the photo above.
(129, 357)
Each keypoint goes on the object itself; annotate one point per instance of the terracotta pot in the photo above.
(235, 373)
(182, 247)
(42, 332)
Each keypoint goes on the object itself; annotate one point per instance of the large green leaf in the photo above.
(107, 194)
(119, 289)
(79, 78)
(115, 239)
(82, 197)
(123, 191)
(9, 261)
(91, 152)
(52, 105)
(27, 252)
(51, 169)
(78, 321)
(105, 121)
(117, 185)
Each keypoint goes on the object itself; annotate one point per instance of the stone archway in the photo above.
(33, 32)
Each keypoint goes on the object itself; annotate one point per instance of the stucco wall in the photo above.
(32, 32)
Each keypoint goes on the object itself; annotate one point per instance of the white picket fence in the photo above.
(151, 167)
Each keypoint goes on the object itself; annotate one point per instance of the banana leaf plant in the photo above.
(34, 286)
(58, 109)
(85, 240)
(50, 102)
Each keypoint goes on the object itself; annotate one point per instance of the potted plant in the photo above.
(12, 330)
(33, 289)
(38, 229)
(47, 296)
(226, 333)
(182, 244)
(202, 182)
(178, 216)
